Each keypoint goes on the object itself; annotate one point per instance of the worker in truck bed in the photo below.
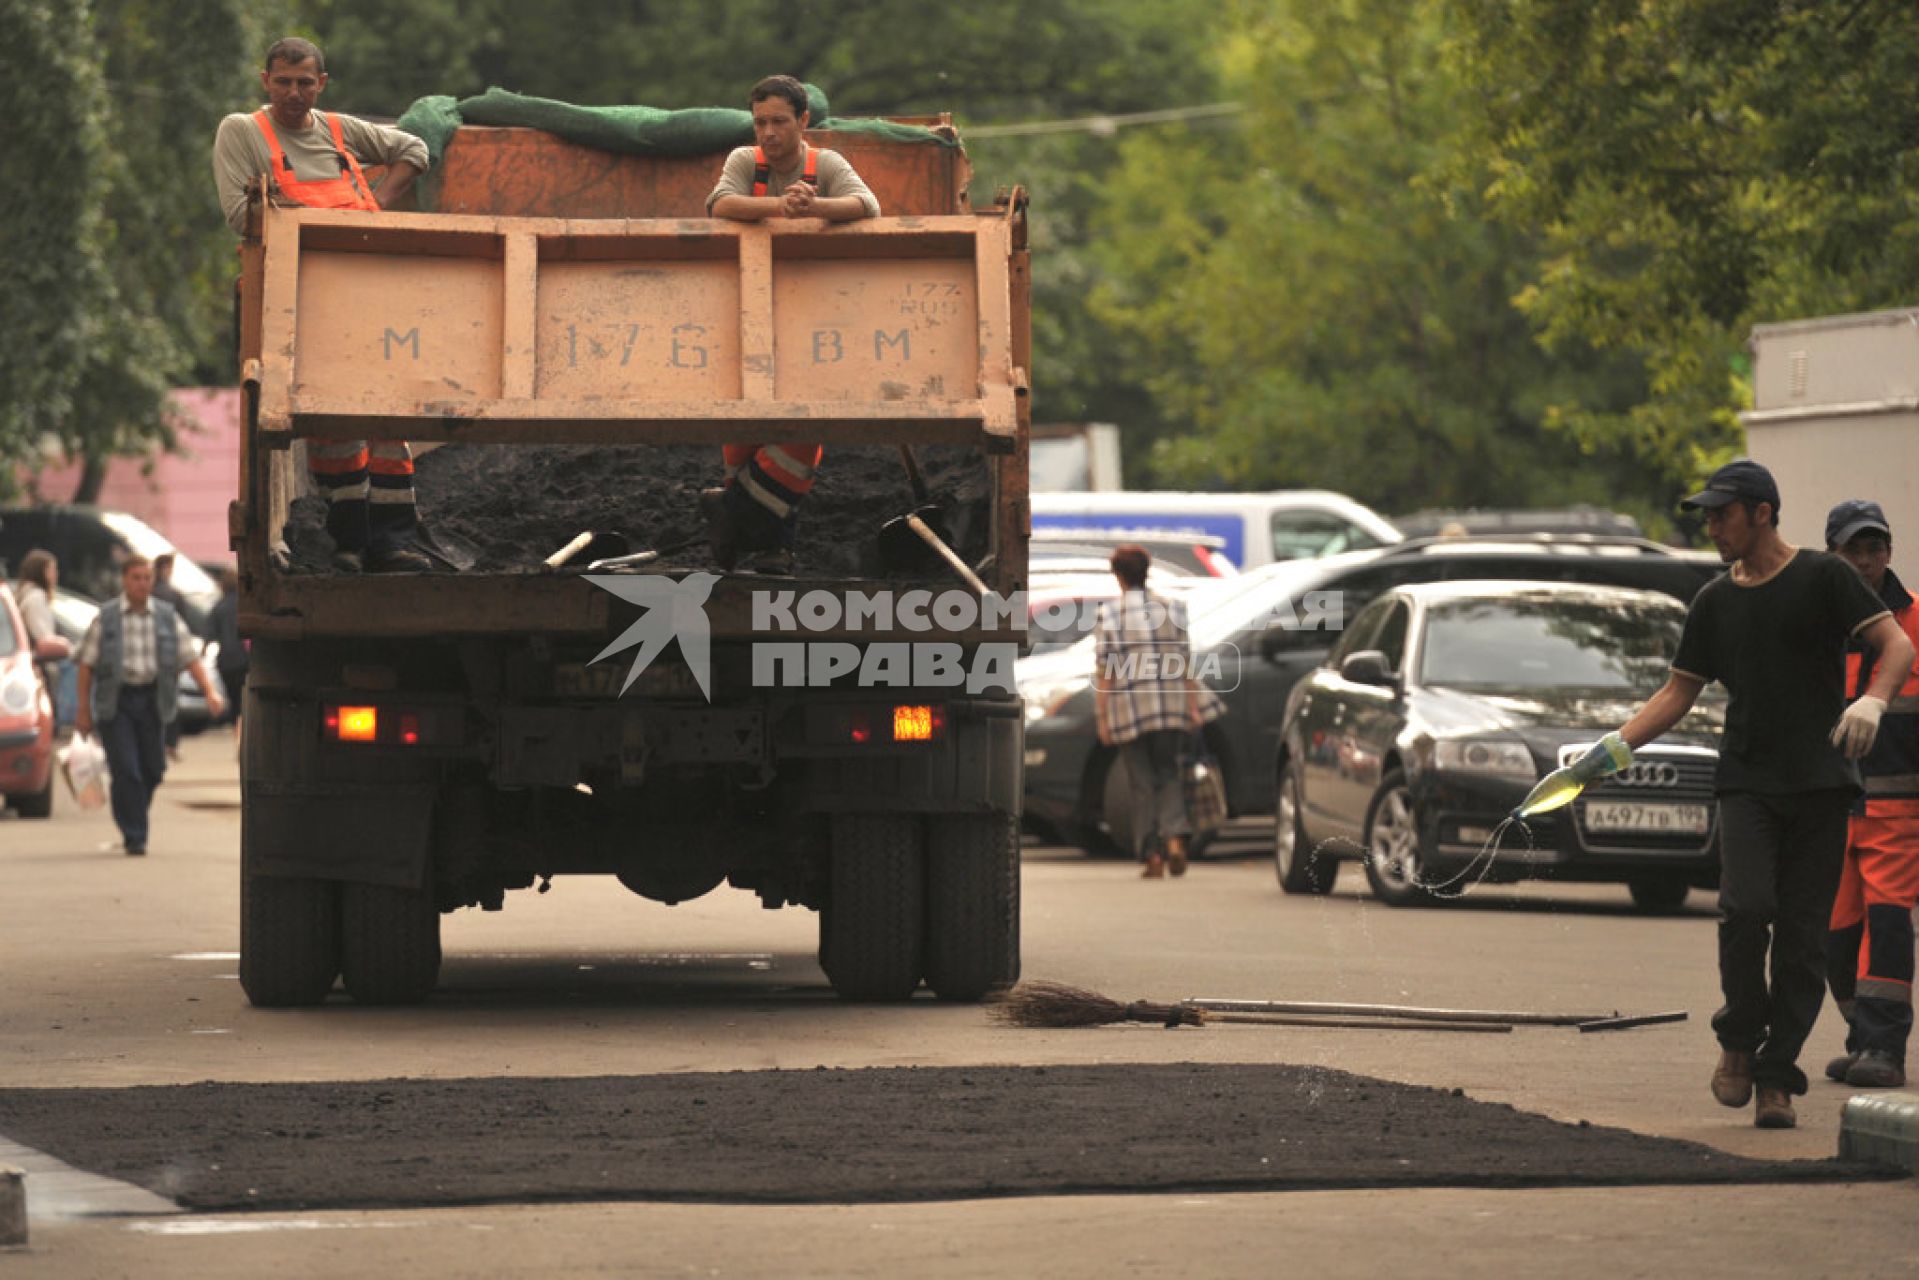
(753, 514)
(314, 160)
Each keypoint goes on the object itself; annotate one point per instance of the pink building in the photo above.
(183, 495)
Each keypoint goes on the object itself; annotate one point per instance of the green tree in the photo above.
(116, 253)
(1694, 167)
(1317, 304)
(54, 283)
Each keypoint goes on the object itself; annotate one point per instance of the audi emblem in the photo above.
(1658, 773)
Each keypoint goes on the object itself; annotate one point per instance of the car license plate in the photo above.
(1648, 819)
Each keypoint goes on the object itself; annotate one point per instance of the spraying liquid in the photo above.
(1557, 789)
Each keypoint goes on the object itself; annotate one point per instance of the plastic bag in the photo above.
(83, 762)
(1205, 794)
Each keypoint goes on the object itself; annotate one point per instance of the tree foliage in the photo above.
(54, 283)
(1317, 303)
(1695, 167)
(116, 257)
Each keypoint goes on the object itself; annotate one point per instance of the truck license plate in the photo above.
(1648, 819)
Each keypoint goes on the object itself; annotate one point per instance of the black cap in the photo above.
(1853, 517)
(1741, 479)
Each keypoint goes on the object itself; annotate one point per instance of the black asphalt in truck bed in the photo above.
(521, 503)
(837, 1136)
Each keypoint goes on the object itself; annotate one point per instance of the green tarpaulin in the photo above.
(642, 131)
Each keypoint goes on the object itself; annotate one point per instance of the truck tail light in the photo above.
(919, 723)
(353, 724)
(391, 726)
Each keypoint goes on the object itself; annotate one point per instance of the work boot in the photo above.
(1732, 1079)
(1155, 868)
(348, 561)
(721, 535)
(1876, 1069)
(1774, 1110)
(398, 560)
(1837, 1068)
(776, 562)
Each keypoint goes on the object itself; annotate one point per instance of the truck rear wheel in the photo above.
(972, 904)
(389, 943)
(289, 940)
(872, 925)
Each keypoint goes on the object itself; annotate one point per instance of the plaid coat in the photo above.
(1142, 665)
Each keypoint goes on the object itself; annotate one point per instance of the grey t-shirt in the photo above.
(240, 154)
(836, 178)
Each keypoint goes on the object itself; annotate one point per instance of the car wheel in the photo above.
(1300, 867)
(1116, 811)
(1395, 861)
(1659, 894)
(37, 805)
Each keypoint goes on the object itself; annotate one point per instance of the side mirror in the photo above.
(52, 649)
(1368, 666)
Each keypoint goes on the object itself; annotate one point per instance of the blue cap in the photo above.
(1851, 518)
(1743, 478)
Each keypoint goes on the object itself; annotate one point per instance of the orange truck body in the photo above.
(419, 743)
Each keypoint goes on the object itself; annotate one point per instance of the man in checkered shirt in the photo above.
(1147, 705)
(130, 664)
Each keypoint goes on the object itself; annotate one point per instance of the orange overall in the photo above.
(1869, 951)
(774, 476)
(368, 484)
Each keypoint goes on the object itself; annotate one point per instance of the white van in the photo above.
(1257, 528)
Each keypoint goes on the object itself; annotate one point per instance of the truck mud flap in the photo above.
(365, 833)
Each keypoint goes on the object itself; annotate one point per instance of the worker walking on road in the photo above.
(130, 664)
(1869, 953)
(313, 159)
(1773, 630)
(753, 513)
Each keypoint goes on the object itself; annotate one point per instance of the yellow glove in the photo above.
(1858, 727)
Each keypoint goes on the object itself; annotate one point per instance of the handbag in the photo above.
(83, 763)
(1205, 790)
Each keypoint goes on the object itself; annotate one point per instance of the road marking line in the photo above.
(251, 1226)
(58, 1191)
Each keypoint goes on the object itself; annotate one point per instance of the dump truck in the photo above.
(419, 743)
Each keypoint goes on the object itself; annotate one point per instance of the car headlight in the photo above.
(1043, 700)
(1486, 756)
(16, 693)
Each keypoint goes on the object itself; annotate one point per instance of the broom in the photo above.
(1054, 1004)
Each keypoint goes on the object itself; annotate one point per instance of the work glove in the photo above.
(1858, 727)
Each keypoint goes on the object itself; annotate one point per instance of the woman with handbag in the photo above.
(1146, 705)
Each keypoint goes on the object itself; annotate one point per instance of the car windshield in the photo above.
(189, 577)
(1551, 644)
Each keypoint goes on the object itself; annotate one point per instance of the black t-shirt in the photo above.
(1780, 650)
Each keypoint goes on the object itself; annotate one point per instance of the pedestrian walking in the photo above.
(231, 657)
(1146, 704)
(1869, 951)
(130, 664)
(1773, 630)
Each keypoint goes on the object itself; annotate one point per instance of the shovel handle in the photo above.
(946, 553)
(913, 476)
(571, 549)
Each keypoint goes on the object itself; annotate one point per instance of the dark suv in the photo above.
(1254, 636)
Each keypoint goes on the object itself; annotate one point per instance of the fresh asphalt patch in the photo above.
(838, 1136)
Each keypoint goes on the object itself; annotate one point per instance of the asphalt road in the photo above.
(120, 972)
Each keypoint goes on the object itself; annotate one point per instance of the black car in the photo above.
(1255, 635)
(1444, 703)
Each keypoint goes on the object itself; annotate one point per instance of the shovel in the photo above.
(449, 548)
(588, 546)
(905, 539)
